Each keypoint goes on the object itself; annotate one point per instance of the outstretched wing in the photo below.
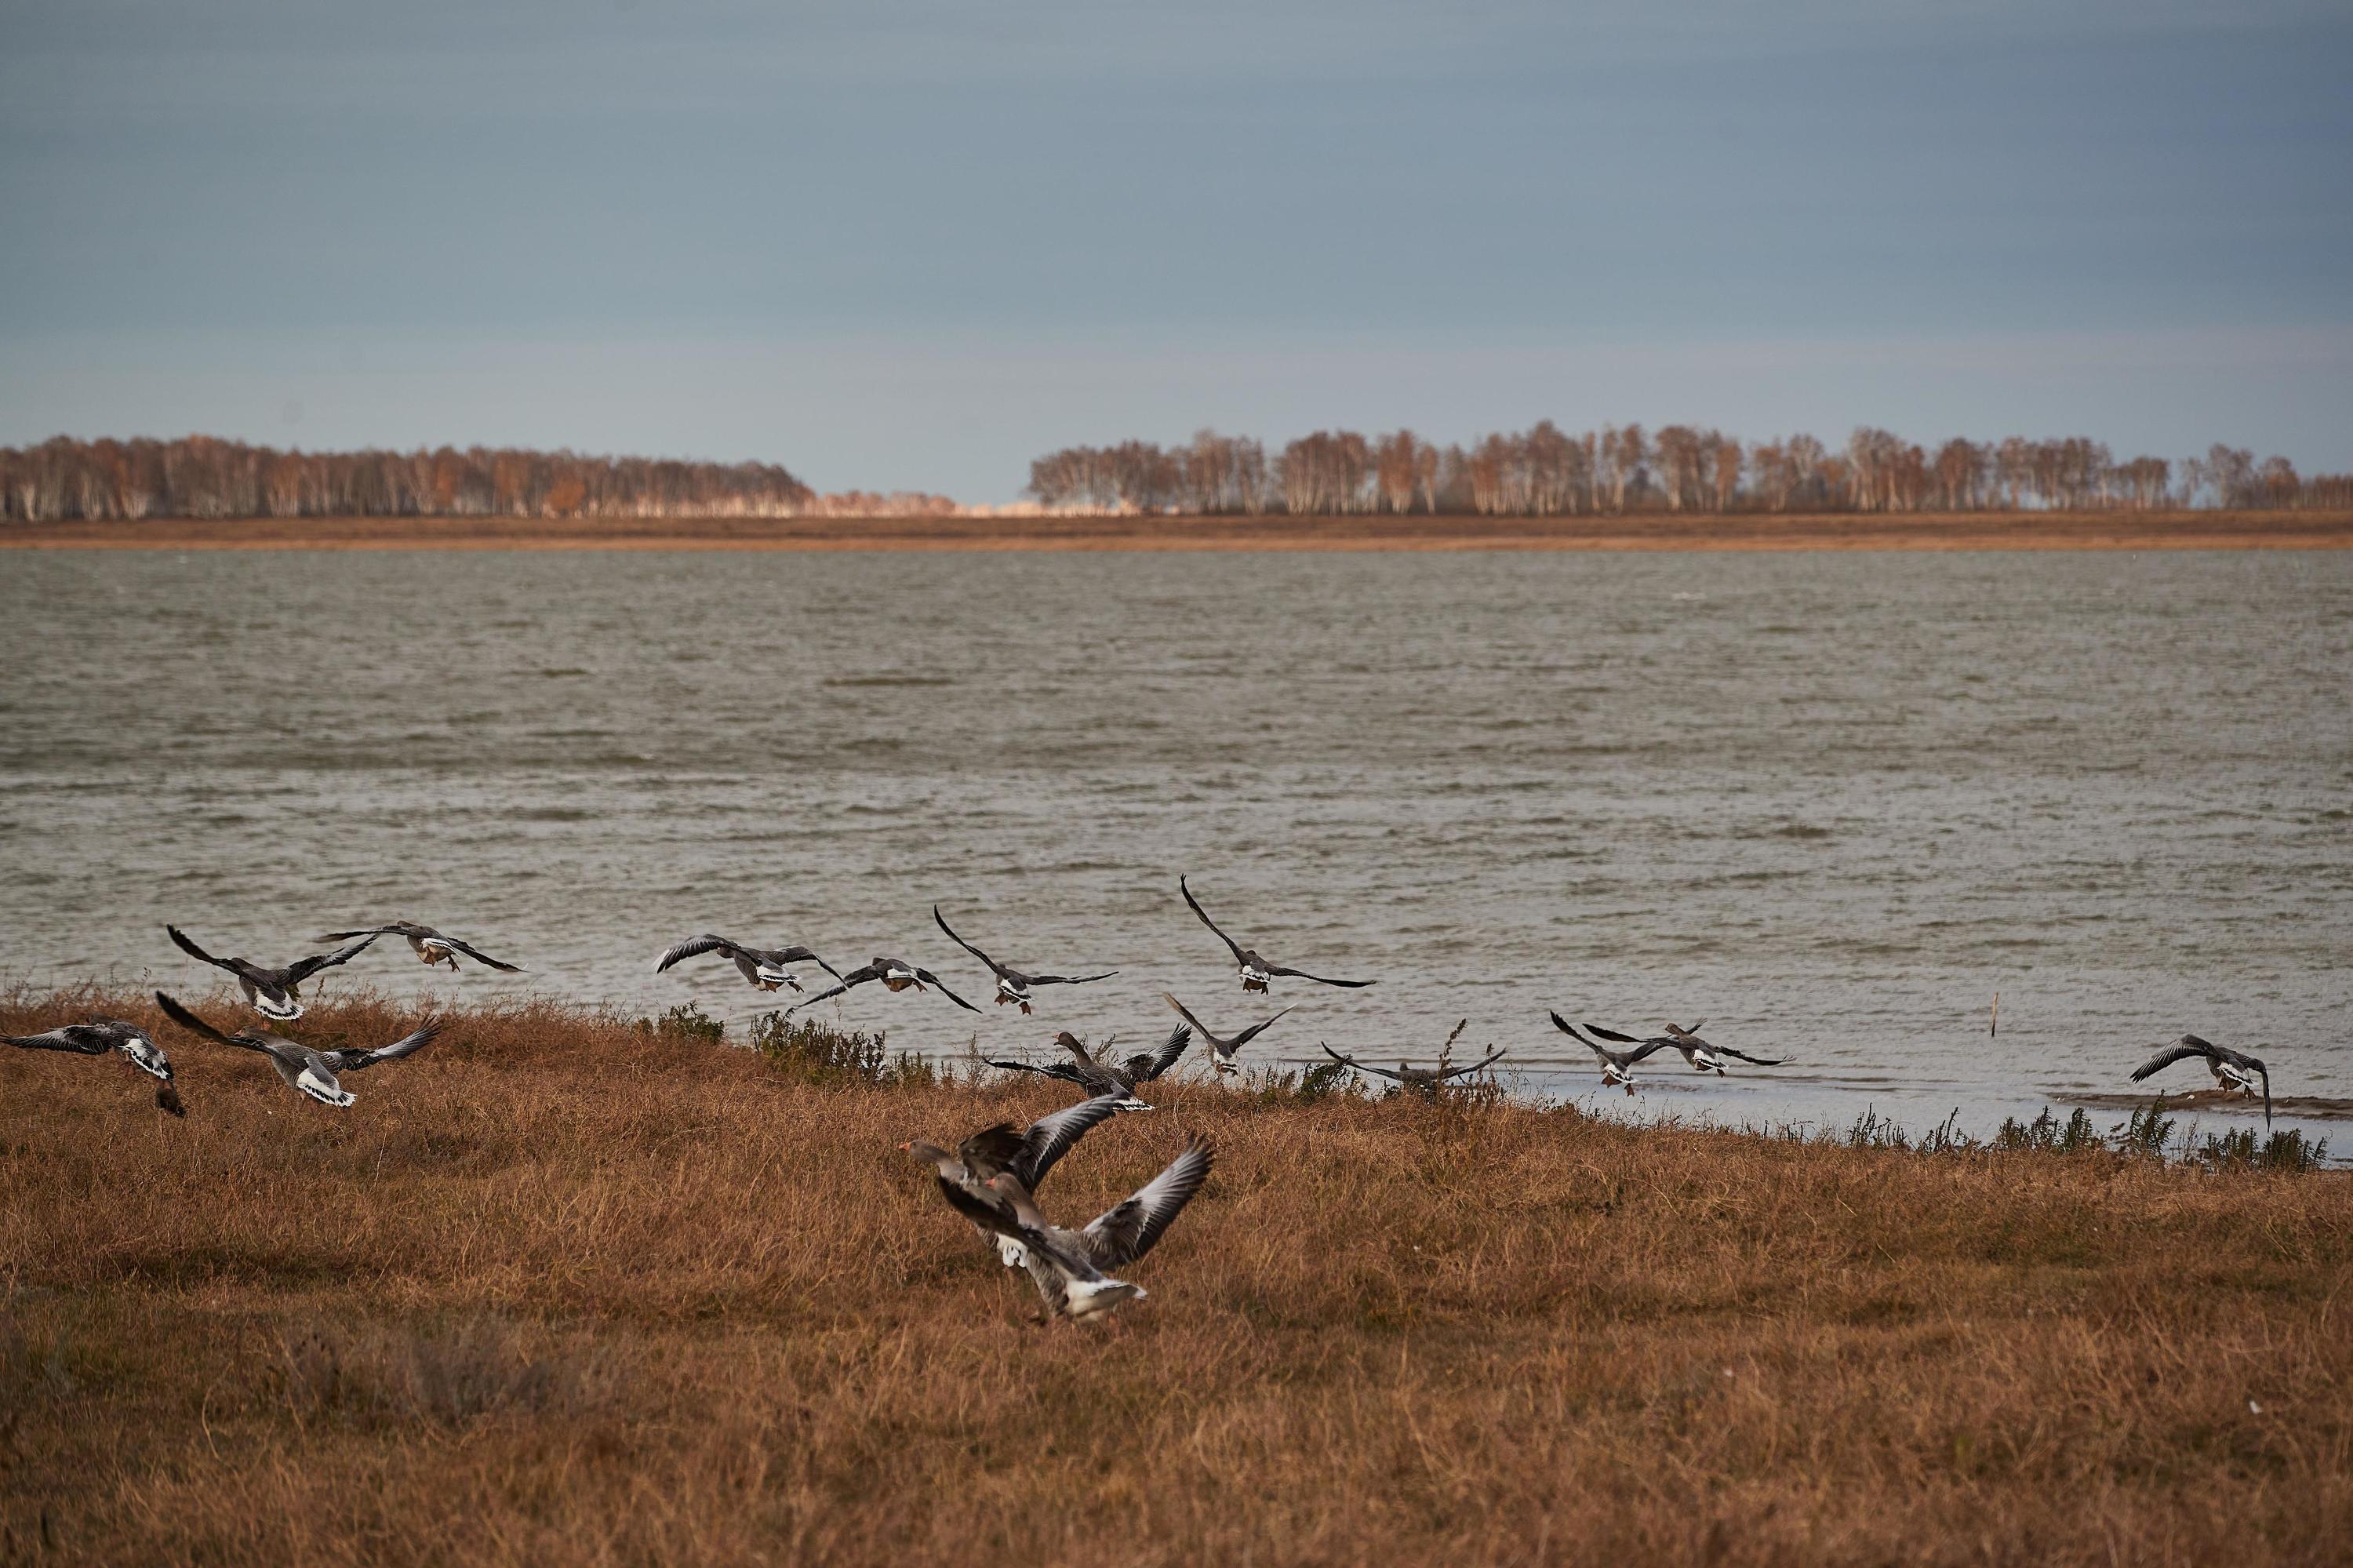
(1474, 1067)
(1071, 979)
(482, 958)
(994, 966)
(805, 956)
(180, 940)
(1170, 1049)
(195, 1025)
(83, 1039)
(1351, 1061)
(301, 970)
(695, 947)
(1751, 1060)
(855, 977)
(347, 935)
(1252, 1033)
(1050, 1138)
(1600, 1033)
(2190, 1046)
(1131, 1227)
(1184, 1012)
(928, 978)
(1067, 1074)
(1319, 979)
(1233, 946)
(408, 1045)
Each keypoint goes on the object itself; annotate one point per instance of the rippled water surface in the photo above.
(1831, 803)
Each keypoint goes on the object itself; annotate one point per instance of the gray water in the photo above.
(1831, 803)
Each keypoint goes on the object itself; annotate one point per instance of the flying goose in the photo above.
(1421, 1080)
(313, 1072)
(2232, 1069)
(1617, 1066)
(1003, 1148)
(105, 1035)
(764, 966)
(1703, 1056)
(429, 945)
(1257, 972)
(897, 974)
(1012, 985)
(273, 994)
(1221, 1052)
(1069, 1268)
(1104, 1077)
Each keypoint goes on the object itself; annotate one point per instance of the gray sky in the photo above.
(913, 245)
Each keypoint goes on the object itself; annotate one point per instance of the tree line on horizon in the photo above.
(1545, 471)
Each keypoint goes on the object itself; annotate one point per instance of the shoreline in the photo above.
(1647, 532)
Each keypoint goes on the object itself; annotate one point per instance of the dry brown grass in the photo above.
(563, 1292)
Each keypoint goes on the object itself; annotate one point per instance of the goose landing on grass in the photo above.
(274, 993)
(105, 1035)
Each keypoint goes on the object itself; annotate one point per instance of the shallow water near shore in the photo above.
(1830, 803)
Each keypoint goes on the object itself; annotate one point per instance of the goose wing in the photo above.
(1071, 979)
(1129, 1228)
(1233, 946)
(1187, 1014)
(1050, 1138)
(482, 958)
(855, 977)
(1474, 1067)
(83, 1039)
(803, 956)
(2187, 1046)
(397, 929)
(1600, 1033)
(928, 978)
(1061, 1070)
(301, 970)
(1751, 1060)
(994, 966)
(1351, 1061)
(351, 1061)
(1319, 979)
(180, 939)
(195, 1025)
(1170, 1050)
(1252, 1033)
(695, 947)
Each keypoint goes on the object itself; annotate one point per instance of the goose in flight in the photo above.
(1100, 1077)
(1703, 1056)
(1256, 971)
(2232, 1069)
(764, 966)
(1012, 985)
(313, 1073)
(429, 945)
(1421, 1080)
(1617, 1066)
(1071, 1270)
(1221, 1052)
(274, 993)
(96, 1039)
(897, 974)
(1003, 1148)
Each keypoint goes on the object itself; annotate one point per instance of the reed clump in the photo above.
(565, 1290)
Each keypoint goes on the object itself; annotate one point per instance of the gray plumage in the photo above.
(315, 1073)
(896, 975)
(1222, 1051)
(1012, 984)
(429, 945)
(99, 1037)
(2232, 1069)
(1421, 1080)
(765, 968)
(1255, 970)
(1702, 1056)
(273, 994)
(1617, 1066)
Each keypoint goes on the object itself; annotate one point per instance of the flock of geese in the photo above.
(992, 1177)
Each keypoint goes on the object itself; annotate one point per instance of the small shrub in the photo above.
(479, 1368)
(810, 1051)
(2286, 1150)
(1872, 1130)
(1947, 1138)
(1269, 1087)
(686, 1021)
(2046, 1134)
(2147, 1133)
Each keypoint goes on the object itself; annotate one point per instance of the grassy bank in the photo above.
(564, 1290)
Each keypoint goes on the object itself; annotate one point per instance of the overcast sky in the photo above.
(913, 245)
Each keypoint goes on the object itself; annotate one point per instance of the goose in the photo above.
(1256, 971)
(429, 945)
(2232, 1069)
(1221, 1052)
(313, 1073)
(1617, 1066)
(1069, 1268)
(105, 1035)
(764, 966)
(1012, 985)
(1703, 1056)
(1420, 1080)
(1105, 1078)
(1028, 1155)
(273, 994)
(897, 974)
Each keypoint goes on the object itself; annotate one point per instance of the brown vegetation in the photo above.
(564, 1290)
(2202, 530)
